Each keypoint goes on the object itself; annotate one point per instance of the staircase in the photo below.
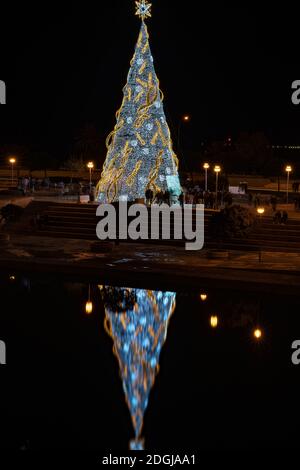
(71, 221)
(6, 183)
(79, 222)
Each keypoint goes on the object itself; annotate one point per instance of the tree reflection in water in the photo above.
(137, 321)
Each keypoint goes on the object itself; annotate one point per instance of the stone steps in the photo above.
(72, 220)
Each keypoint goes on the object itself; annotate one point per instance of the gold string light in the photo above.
(131, 178)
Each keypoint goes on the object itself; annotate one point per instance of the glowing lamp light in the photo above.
(217, 169)
(260, 210)
(214, 321)
(203, 297)
(89, 307)
(206, 166)
(257, 334)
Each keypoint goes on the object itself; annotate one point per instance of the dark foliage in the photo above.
(232, 222)
(11, 212)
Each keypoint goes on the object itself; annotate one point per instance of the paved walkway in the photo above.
(155, 265)
(171, 267)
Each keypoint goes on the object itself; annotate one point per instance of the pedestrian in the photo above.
(273, 202)
(181, 199)
(284, 217)
(277, 217)
(149, 196)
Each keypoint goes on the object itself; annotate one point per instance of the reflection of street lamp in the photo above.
(288, 170)
(12, 161)
(90, 166)
(206, 167)
(214, 321)
(89, 304)
(217, 170)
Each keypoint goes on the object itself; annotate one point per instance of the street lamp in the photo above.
(260, 211)
(184, 119)
(257, 333)
(12, 161)
(206, 168)
(90, 166)
(288, 170)
(214, 321)
(217, 170)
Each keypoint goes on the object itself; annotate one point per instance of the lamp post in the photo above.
(184, 119)
(260, 211)
(90, 166)
(217, 170)
(214, 321)
(206, 168)
(12, 161)
(258, 334)
(288, 170)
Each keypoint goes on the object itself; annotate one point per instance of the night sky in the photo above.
(231, 68)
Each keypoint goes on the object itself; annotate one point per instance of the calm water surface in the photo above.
(206, 369)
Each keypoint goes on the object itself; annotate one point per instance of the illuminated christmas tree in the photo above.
(140, 153)
(137, 321)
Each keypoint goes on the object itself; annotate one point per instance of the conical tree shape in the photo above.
(137, 321)
(140, 154)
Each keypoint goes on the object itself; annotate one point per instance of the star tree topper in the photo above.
(143, 9)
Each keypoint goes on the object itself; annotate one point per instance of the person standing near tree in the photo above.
(273, 202)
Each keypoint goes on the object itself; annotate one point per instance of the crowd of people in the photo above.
(29, 184)
(280, 217)
(189, 195)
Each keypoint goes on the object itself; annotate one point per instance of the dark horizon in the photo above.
(230, 68)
